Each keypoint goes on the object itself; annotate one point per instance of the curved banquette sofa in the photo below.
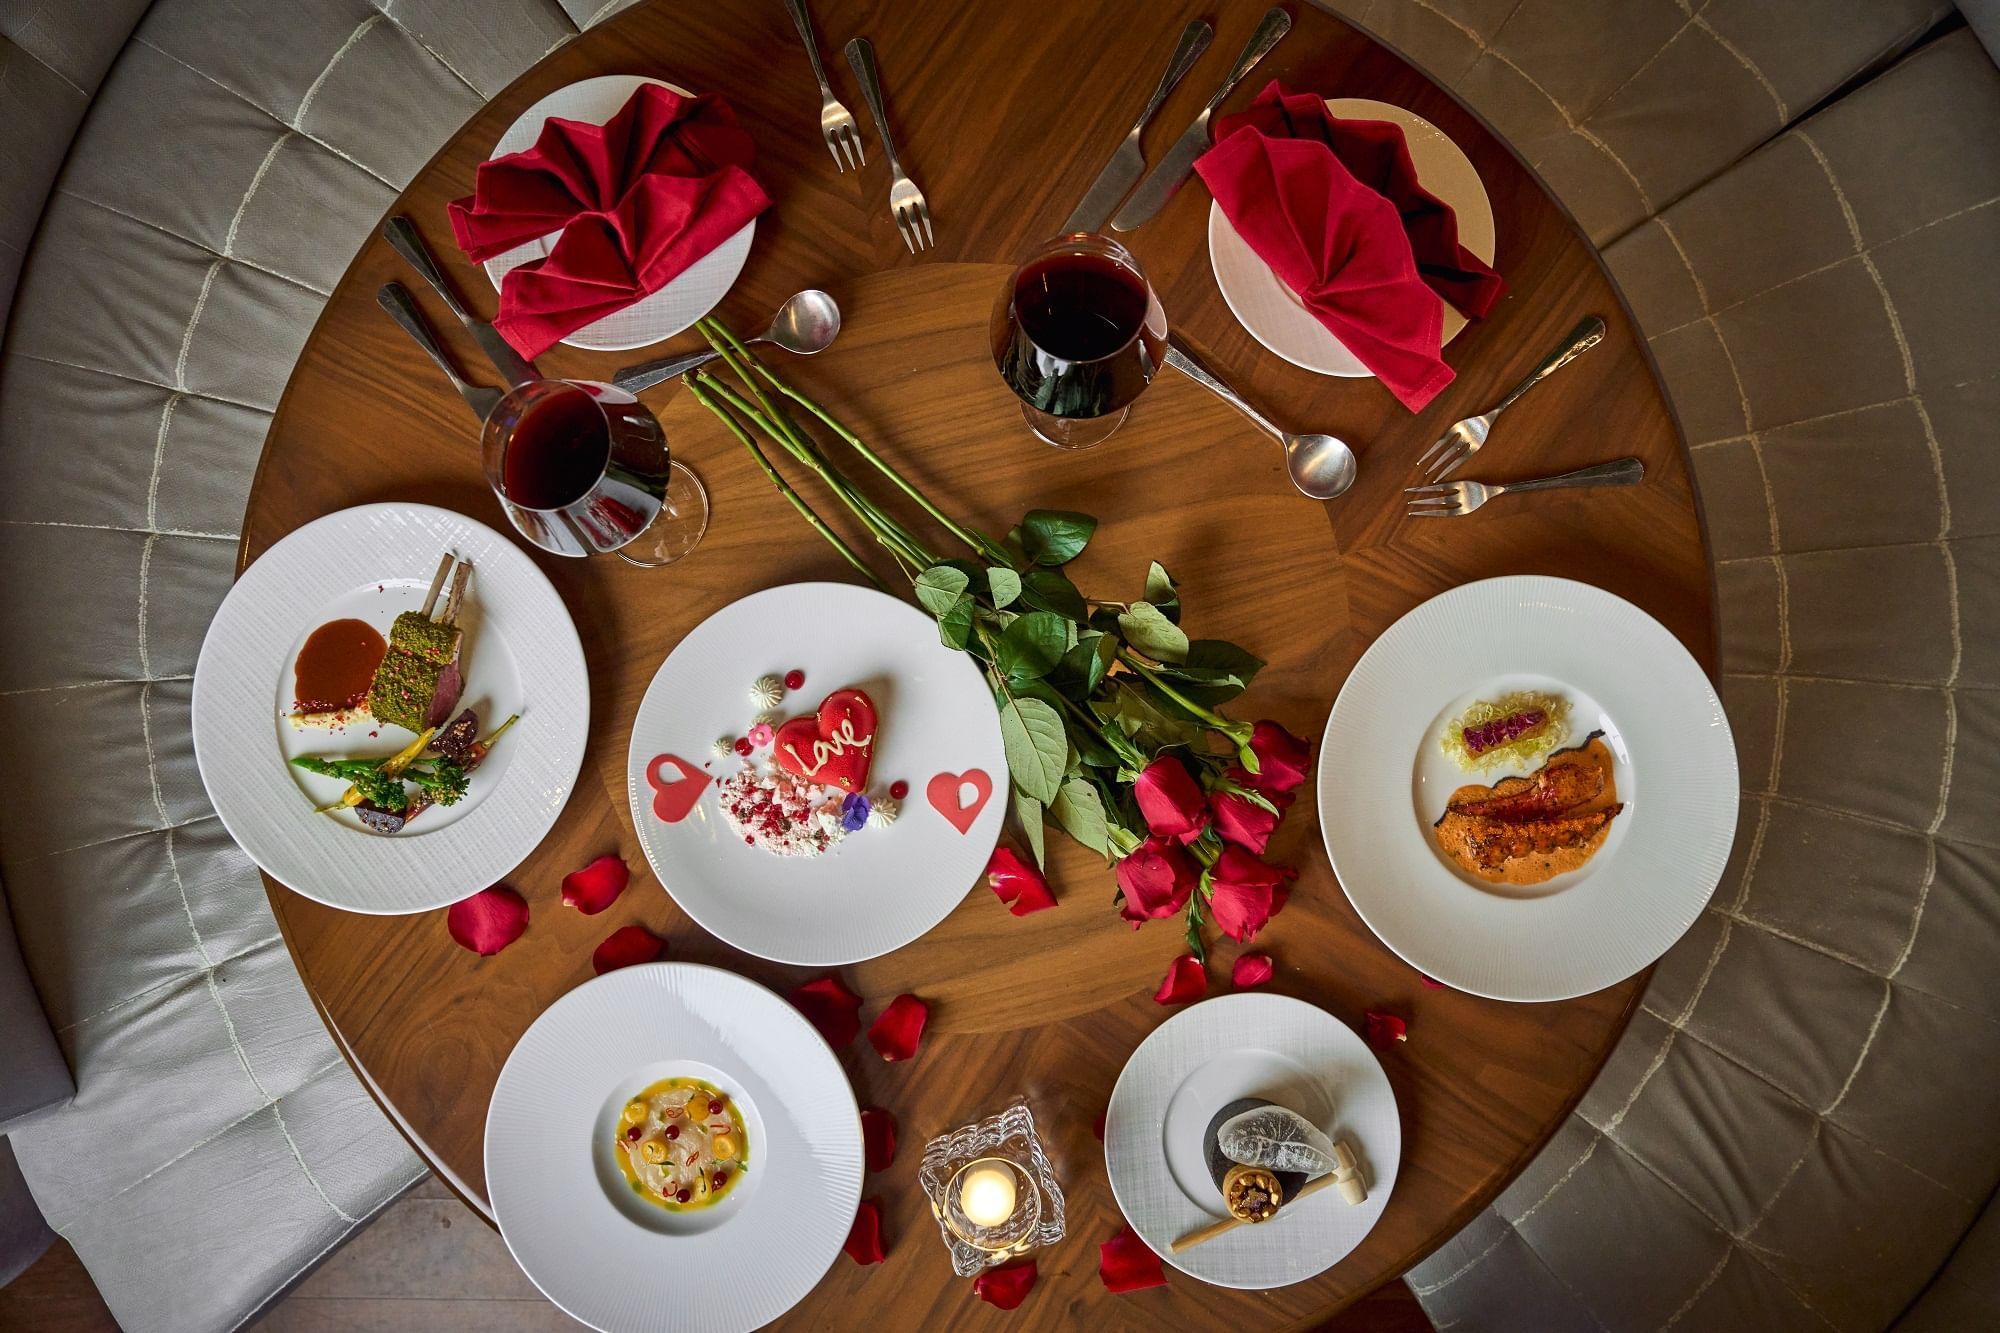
(1801, 202)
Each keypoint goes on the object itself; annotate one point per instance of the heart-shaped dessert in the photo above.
(946, 793)
(673, 800)
(834, 746)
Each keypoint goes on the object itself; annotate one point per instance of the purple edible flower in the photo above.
(854, 811)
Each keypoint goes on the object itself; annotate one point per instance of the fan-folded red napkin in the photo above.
(1334, 207)
(637, 199)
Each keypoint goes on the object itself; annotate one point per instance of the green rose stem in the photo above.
(1239, 733)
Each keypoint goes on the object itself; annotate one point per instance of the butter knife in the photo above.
(402, 236)
(395, 298)
(1159, 187)
(1127, 164)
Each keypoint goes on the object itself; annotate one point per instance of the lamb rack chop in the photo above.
(418, 684)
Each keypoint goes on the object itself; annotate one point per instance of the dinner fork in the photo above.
(1462, 441)
(1453, 498)
(836, 122)
(906, 201)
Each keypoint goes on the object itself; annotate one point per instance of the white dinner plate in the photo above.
(1269, 310)
(1249, 1044)
(881, 887)
(675, 306)
(1383, 780)
(520, 654)
(567, 1213)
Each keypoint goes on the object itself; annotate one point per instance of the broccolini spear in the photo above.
(368, 778)
(444, 781)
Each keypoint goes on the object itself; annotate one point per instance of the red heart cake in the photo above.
(834, 746)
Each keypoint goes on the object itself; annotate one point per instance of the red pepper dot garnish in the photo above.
(742, 745)
(714, 1106)
(632, 1134)
(673, 1131)
(683, 1195)
(718, 1180)
(794, 678)
(899, 789)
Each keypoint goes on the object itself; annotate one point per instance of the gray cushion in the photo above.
(37, 1079)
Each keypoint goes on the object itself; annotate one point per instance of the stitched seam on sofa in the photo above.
(603, 12)
(117, 837)
(115, 527)
(89, 684)
(312, 89)
(140, 379)
(1778, 102)
(384, 6)
(289, 1288)
(278, 1114)
(178, 979)
(1947, 544)
(1581, 131)
(208, 250)
(1875, 821)
(1700, 1290)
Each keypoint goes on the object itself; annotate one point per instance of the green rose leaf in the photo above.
(1031, 733)
(1146, 718)
(955, 625)
(1004, 584)
(1147, 628)
(1028, 814)
(1080, 811)
(1161, 592)
(1055, 536)
(939, 589)
(1031, 646)
(1221, 655)
(1051, 590)
(1084, 664)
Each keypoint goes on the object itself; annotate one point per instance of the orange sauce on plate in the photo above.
(336, 666)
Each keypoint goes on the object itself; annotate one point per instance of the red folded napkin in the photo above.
(1334, 207)
(637, 199)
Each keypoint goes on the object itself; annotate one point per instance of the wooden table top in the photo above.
(1004, 115)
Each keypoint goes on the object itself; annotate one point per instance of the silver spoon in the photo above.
(806, 323)
(1320, 466)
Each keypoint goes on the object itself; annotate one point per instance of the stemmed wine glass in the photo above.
(582, 468)
(1077, 335)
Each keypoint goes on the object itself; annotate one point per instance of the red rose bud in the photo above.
(624, 947)
(1125, 1264)
(1246, 892)
(896, 1033)
(1241, 820)
(1281, 758)
(1383, 1030)
(1017, 883)
(830, 1007)
(1171, 800)
(1252, 969)
(1185, 980)
(1007, 1286)
(878, 1138)
(596, 886)
(489, 920)
(1157, 878)
(864, 1238)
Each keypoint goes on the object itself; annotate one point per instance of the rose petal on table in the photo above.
(1125, 1264)
(1383, 1030)
(901, 1026)
(1186, 980)
(626, 947)
(830, 1007)
(596, 886)
(878, 1138)
(864, 1238)
(1018, 883)
(489, 920)
(1252, 969)
(1007, 1286)
(1097, 1125)
(1432, 982)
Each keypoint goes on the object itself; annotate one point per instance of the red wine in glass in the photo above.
(557, 452)
(1078, 335)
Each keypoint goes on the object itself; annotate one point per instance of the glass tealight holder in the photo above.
(992, 1190)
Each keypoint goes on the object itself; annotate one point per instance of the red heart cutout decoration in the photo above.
(834, 746)
(673, 800)
(943, 792)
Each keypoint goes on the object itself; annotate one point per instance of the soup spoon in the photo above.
(1321, 466)
(806, 323)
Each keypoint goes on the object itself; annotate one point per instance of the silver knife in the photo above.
(402, 236)
(395, 298)
(1127, 164)
(1179, 161)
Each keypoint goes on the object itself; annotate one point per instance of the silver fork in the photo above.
(836, 122)
(906, 201)
(1453, 498)
(1462, 441)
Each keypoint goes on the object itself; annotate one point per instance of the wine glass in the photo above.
(1077, 335)
(583, 468)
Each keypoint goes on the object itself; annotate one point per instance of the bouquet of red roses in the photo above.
(1109, 712)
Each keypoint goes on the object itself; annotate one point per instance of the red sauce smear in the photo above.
(336, 666)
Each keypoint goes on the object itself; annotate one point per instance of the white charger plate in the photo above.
(1269, 310)
(676, 306)
(616, 1262)
(1249, 1044)
(880, 888)
(521, 654)
(1383, 781)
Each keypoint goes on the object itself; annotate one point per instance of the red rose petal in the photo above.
(596, 886)
(1125, 1264)
(625, 947)
(878, 1138)
(1186, 980)
(830, 1007)
(1018, 883)
(1097, 1126)
(864, 1238)
(1252, 969)
(489, 920)
(1007, 1286)
(1383, 1030)
(1432, 982)
(896, 1033)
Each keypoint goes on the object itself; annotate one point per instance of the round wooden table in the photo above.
(1004, 115)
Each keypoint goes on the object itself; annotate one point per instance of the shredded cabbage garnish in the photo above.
(1540, 740)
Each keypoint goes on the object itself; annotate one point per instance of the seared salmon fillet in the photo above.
(1568, 780)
